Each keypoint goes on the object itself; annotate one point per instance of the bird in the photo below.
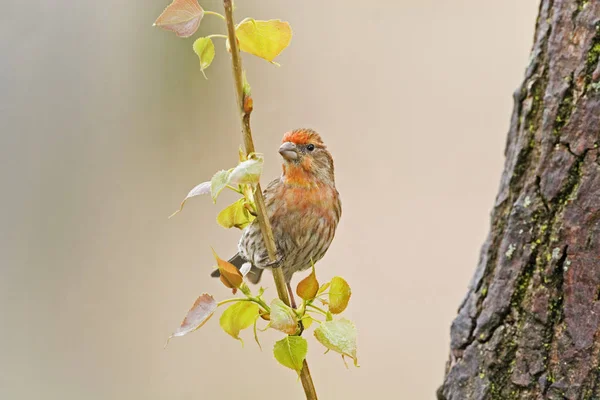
(303, 206)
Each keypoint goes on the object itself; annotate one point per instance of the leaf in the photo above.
(256, 334)
(291, 352)
(205, 49)
(247, 172)
(201, 311)
(307, 321)
(283, 317)
(182, 17)
(203, 188)
(238, 317)
(264, 39)
(230, 275)
(235, 215)
(339, 295)
(218, 183)
(308, 287)
(339, 336)
(242, 154)
(323, 288)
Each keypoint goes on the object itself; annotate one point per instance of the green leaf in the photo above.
(308, 287)
(291, 352)
(247, 172)
(203, 188)
(218, 183)
(323, 288)
(307, 321)
(182, 17)
(339, 336)
(235, 215)
(339, 295)
(239, 316)
(201, 311)
(205, 49)
(283, 317)
(264, 39)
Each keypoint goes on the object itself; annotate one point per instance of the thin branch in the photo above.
(265, 225)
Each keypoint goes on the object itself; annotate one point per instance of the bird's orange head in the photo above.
(306, 159)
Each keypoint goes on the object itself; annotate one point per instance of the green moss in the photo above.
(592, 59)
(565, 108)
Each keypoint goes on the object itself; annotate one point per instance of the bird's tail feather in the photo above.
(253, 275)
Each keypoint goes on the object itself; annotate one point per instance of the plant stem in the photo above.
(231, 301)
(217, 35)
(263, 220)
(214, 13)
(265, 226)
(318, 309)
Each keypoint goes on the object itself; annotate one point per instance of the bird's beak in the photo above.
(288, 151)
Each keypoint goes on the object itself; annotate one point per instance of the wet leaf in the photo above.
(247, 172)
(218, 183)
(203, 188)
(283, 317)
(237, 317)
(264, 39)
(205, 49)
(308, 287)
(230, 275)
(182, 17)
(291, 352)
(201, 311)
(235, 215)
(339, 295)
(339, 336)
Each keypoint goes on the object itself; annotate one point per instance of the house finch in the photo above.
(303, 207)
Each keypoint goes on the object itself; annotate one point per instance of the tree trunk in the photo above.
(529, 325)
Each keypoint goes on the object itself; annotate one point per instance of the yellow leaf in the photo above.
(238, 317)
(264, 39)
(182, 17)
(339, 295)
(205, 49)
(291, 352)
(235, 215)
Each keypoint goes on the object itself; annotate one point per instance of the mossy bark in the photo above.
(529, 325)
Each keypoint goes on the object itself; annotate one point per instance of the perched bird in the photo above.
(303, 207)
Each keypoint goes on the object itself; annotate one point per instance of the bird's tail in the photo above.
(253, 275)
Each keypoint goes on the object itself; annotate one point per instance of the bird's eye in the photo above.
(310, 147)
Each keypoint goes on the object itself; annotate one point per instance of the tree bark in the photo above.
(528, 327)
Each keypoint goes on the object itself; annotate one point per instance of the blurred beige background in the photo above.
(107, 123)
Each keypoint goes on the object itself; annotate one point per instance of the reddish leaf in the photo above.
(308, 287)
(182, 17)
(230, 275)
(201, 311)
